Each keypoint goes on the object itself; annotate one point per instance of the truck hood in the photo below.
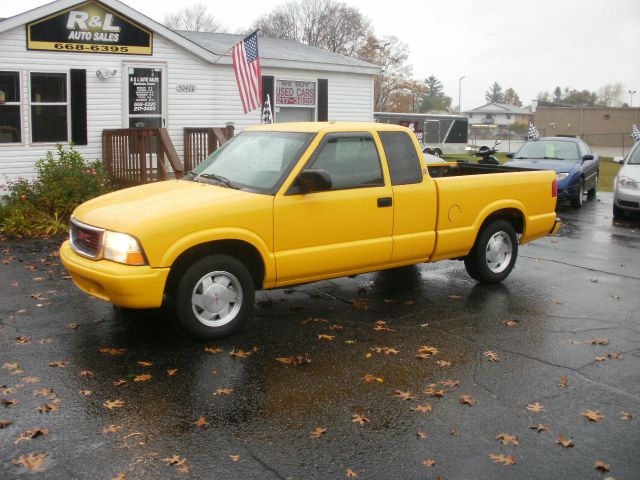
(560, 166)
(161, 202)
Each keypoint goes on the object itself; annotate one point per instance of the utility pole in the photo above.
(460, 93)
(631, 92)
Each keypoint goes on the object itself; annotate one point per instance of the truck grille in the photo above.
(85, 239)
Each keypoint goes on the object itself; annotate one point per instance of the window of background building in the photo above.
(49, 107)
(10, 131)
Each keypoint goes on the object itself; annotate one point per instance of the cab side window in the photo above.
(402, 157)
(351, 160)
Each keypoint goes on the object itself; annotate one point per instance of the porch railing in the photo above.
(199, 143)
(134, 156)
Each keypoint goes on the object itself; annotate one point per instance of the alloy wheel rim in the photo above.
(216, 298)
(499, 252)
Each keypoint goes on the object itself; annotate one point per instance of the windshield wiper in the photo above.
(539, 158)
(219, 179)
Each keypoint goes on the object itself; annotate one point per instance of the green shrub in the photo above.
(43, 206)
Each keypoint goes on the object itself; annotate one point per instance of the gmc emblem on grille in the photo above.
(84, 237)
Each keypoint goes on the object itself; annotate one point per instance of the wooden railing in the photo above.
(134, 156)
(199, 143)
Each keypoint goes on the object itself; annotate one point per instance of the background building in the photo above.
(499, 114)
(71, 69)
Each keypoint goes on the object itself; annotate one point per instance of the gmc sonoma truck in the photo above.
(286, 204)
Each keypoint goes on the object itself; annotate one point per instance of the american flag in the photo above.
(533, 132)
(246, 65)
(635, 133)
(267, 114)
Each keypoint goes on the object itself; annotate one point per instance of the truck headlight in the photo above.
(122, 248)
(561, 176)
(628, 183)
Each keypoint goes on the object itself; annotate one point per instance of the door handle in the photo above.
(384, 202)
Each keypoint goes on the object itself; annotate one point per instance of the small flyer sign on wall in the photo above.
(90, 28)
(293, 92)
(145, 90)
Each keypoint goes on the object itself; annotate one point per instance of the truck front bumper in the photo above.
(124, 285)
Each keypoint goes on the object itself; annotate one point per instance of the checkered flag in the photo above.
(533, 132)
(267, 115)
(635, 133)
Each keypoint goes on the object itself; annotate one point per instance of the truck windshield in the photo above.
(253, 161)
(549, 149)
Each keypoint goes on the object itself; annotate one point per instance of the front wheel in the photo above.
(494, 254)
(578, 200)
(437, 152)
(214, 297)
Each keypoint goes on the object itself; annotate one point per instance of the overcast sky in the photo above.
(529, 45)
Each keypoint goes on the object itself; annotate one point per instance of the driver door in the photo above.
(343, 229)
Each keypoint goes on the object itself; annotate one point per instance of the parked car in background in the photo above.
(577, 167)
(626, 186)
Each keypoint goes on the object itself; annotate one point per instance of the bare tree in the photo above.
(328, 24)
(194, 18)
(611, 95)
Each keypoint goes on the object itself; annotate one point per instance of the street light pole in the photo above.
(460, 93)
(631, 92)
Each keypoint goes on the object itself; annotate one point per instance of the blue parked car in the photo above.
(577, 167)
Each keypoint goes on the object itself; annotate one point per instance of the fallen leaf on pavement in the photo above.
(564, 442)
(234, 458)
(598, 341)
(144, 363)
(433, 392)
(443, 363)
(492, 356)
(5, 423)
(626, 416)
(535, 408)
(429, 463)
(323, 336)
(30, 379)
(113, 351)
(111, 404)
(359, 419)
(213, 350)
(422, 408)
(240, 353)
(402, 395)
(372, 378)
(450, 383)
(23, 340)
(145, 377)
(223, 391)
(294, 360)
(112, 429)
(351, 474)
(58, 364)
(86, 373)
(511, 323)
(601, 466)
(85, 392)
(171, 372)
(385, 350)
(592, 415)
(422, 435)
(318, 432)
(29, 434)
(360, 304)
(49, 407)
(467, 400)
(120, 382)
(539, 427)
(507, 439)
(201, 422)
(34, 462)
(564, 381)
(504, 459)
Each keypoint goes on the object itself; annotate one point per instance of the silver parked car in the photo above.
(626, 186)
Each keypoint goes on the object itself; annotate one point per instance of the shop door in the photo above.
(145, 93)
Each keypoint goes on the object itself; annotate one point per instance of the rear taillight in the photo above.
(554, 188)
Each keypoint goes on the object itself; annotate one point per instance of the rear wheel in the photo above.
(214, 297)
(494, 254)
(578, 200)
(591, 193)
(437, 152)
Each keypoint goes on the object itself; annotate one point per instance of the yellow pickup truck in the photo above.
(285, 204)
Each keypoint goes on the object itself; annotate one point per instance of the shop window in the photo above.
(10, 126)
(49, 107)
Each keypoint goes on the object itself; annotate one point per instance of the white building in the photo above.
(71, 68)
(499, 114)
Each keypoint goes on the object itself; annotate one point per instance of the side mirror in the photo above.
(587, 157)
(618, 159)
(310, 181)
(510, 155)
(498, 142)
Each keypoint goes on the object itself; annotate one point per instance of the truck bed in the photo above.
(459, 169)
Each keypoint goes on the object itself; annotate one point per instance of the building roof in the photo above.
(274, 48)
(500, 108)
(213, 47)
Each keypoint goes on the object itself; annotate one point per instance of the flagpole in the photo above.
(231, 48)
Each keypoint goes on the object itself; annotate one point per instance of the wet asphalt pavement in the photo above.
(564, 329)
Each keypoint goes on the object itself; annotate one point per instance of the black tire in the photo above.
(618, 212)
(214, 297)
(591, 193)
(578, 199)
(494, 254)
(437, 152)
